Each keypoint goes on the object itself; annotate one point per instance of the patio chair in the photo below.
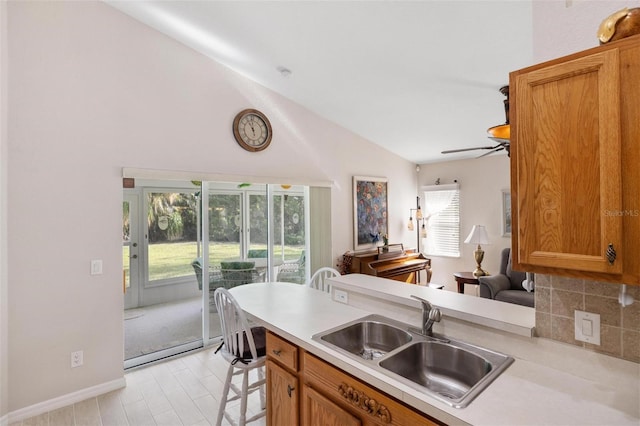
(238, 273)
(215, 278)
(293, 272)
(257, 253)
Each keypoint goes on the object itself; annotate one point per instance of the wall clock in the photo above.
(252, 130)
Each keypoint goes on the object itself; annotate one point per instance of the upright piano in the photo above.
(392, 262)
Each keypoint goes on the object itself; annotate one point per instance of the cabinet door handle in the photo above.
(289, 390)
(611, 254)
(276, 352)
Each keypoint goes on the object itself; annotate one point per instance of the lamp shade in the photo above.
(478, 235)
(501, 132)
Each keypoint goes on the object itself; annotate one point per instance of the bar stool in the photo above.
(245, 349)
(318, 279)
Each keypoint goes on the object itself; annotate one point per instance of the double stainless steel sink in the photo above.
(451, 371)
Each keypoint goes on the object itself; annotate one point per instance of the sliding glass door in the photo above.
(182, 240)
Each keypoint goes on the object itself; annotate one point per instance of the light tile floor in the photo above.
(179, 391)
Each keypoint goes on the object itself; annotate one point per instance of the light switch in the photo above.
(587, 327)
(96, 267)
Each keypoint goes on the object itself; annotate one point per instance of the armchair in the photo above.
(507, 285)
(237, 273)
(257, 253)
(215, 278)
(293, 272)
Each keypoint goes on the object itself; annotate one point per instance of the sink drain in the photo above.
(370, 354)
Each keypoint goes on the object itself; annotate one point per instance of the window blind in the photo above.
(442, 208)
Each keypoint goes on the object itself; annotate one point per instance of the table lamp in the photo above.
(478, 235)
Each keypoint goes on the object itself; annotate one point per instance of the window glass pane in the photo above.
(293, 224)
(171, 231)
(225, 227)
(126, 241)
(258, 223)
(289, 236)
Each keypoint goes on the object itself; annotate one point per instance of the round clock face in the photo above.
(252, 130)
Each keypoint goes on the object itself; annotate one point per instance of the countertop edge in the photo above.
(552, 396)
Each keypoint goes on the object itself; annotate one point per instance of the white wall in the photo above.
(481, 183)
(563, 27)
(4, 328)
(92, 91)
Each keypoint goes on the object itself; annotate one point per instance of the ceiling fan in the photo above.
(500, 134)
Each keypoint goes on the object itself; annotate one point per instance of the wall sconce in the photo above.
(478, 235)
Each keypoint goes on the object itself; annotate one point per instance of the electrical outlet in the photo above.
(77, 359)
(341, 296)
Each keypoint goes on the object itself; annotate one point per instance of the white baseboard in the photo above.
(64, 400)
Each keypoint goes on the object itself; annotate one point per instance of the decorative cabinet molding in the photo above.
(575, 129)
(364, 402)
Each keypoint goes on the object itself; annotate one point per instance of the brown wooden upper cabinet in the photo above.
(575, 161)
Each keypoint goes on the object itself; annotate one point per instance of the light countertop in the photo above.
(528, 392)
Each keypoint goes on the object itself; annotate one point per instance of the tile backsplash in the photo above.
(558, 297)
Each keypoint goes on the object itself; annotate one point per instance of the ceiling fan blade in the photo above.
(468, 149)
(490, 152)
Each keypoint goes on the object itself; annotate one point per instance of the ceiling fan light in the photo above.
(502, 131)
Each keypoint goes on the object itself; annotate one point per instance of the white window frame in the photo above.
(443, 222)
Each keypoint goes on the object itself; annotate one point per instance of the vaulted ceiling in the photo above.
(416, 77)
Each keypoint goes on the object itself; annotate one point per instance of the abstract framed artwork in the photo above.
(370, 220)
(506, 213)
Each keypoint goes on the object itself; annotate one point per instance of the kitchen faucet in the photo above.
(430, 315)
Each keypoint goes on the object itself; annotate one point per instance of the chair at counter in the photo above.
(319, 278)
(244, 348)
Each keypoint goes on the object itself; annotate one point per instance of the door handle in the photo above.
(611, 254)
(289, 390)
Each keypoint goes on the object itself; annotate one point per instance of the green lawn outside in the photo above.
(170, 260)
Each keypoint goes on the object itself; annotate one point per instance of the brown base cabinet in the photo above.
(282, 382)
(318, 410)
(303, 389)
(282, 394)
